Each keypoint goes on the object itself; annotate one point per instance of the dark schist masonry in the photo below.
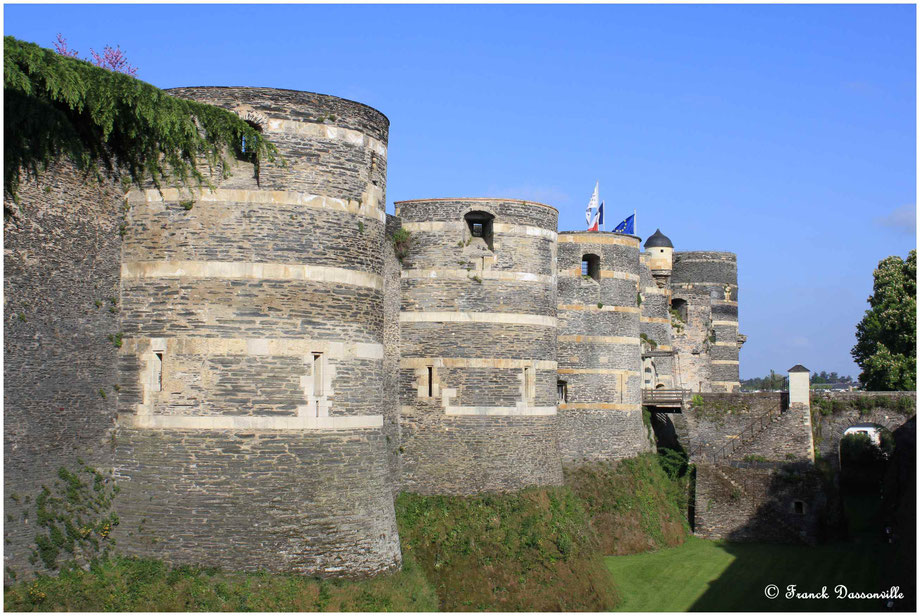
(263, 370)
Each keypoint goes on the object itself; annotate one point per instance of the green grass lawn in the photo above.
(703, 575)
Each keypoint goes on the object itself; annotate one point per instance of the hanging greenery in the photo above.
(58, 106)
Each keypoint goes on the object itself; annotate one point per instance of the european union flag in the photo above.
(627, 226)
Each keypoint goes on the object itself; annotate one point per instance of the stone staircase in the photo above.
(745, 437)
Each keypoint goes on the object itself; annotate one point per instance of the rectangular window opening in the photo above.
(562, 392)
(158, 371)
(317, 375)
(430, 381)
(529, 385)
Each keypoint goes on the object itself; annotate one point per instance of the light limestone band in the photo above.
(575, 272)
(732, 323)
(654, 320)
(727, 344)
(724, 362)
(599, 339)
(498, 227)
(249, 271)
(370, 208)
(701, 283)
(464, 274)
(286, 347)
(601, 406)
(597, 371)
(599, 239)
(461, 362)
(593, 308)
(237, 422)
(506, 318)
(502, 411)
(327, 132)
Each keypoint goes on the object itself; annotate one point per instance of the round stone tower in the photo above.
(708, 282)
(251, 428)
(477, 376)
(600, 406)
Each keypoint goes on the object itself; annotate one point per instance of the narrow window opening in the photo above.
(591, 267)
(799, 507)
(317, 375)
(430, 381)
(529, 384)
(562, 392)
(158, 371)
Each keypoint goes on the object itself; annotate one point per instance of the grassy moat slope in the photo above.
(539, 549)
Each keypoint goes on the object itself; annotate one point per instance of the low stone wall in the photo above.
(723, 416)
(833, 412)
(766, 502)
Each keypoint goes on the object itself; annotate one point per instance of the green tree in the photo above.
(886, 338)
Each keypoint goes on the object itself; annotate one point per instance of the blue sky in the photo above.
(785, 134)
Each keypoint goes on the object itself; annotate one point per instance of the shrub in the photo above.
(532, 550)
(402, 242)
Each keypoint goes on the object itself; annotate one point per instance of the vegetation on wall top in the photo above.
(58, 106)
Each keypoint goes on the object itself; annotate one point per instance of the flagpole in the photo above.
(635, 225)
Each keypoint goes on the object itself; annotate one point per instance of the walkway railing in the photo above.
(664, 397)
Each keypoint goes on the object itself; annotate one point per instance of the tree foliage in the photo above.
(59, 106)
(112, 59)
(886, 338)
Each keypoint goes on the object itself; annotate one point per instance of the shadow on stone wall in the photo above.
(869, 549)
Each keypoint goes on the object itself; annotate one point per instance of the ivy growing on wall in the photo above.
(74, 518)
(57, 106)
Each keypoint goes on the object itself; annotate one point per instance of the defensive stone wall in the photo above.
(722, 418)
(61, 302)
(833, 412)
(759, 502)
(600, 415)
(477, 381)
(253, 352)
(710, 334)
(263, 368)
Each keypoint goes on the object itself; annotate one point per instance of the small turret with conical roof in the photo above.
(660, 253)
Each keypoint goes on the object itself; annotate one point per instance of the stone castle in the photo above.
(277, 357)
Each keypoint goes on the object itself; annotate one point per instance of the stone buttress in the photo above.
(251, 422)
(477, 380)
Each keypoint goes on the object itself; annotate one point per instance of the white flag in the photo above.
(591, 205)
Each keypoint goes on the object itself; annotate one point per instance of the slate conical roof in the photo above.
(658, 240)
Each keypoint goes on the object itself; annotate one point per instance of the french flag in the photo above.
(598, 218)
